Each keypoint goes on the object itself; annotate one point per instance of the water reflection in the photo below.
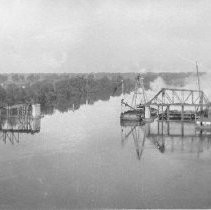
(65, 104)
(12, 124)
(138, 133)
(166, 137)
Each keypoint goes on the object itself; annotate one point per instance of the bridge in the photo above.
(171, 96)
(194, 100)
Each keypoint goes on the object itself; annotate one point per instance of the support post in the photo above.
(168, 107)
(158, 127)
(162, 127)
(163, 94)
(182, 112)
(158, 112)
(162, 112)
(201, 100)
(192, 97)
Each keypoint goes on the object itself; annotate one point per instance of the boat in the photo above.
(132, 115)
(131, 123)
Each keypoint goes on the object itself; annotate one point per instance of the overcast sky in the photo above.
(104, 35)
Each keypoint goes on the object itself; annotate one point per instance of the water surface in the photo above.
(86, 159)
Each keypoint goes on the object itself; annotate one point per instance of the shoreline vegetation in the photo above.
(65, 90)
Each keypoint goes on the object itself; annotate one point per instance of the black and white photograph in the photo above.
(105, 104)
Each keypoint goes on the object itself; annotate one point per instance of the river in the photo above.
(86, 159)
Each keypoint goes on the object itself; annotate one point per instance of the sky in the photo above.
(104, 35)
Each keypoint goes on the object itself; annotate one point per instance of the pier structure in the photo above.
(19, 119)
(20, 110)
(11, 128)
(179, 104)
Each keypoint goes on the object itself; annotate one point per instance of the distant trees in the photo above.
(3, 78)
(2, 95)
(62, 90)
(42, 92)
(17, 78)
(32, 78)
(13, 94)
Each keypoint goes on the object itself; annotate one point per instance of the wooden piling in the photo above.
(182, 112)
(168, 107)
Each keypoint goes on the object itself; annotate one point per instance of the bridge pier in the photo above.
(167, 112)
(158, 127)
(158, 110)
(162, 111)
(182, 112)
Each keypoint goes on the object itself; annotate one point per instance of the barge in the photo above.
(138, 111)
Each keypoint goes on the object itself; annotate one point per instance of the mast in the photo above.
(143, 90)
(198, 81)
(122, 89)
(199, 88)
(122, 96)
(136, 92)
(139, 96)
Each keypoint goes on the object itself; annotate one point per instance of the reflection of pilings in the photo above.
(11, 136)
(182, 129)
(184, 141)
(168, 127)
(21, 118)
(158, 127)
(162, 127)
(172, 144)
(140, 148)
(12, 127)
(125, 136)
(165, 130)
(200, 146)
(135, 131)
(182, 112)
(158, 145)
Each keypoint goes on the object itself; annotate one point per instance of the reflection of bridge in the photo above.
(167, 136)
(179, 135)
(18, 119)
(167, 98)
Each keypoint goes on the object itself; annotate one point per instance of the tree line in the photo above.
(61, 91)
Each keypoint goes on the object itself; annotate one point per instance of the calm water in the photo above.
(86, 159)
